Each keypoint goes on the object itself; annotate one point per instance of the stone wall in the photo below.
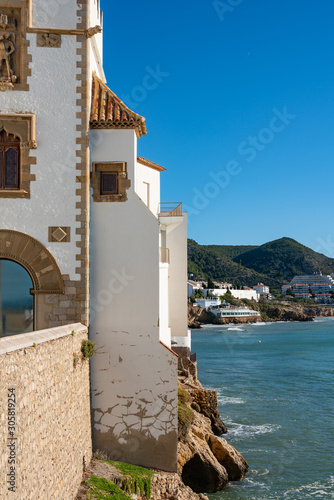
(45, 392)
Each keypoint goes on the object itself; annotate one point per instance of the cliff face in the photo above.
(294, 312)
(206, 462)
(270, 311)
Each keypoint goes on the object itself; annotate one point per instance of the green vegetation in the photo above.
(274, 263)
(231, 251)
(205, 261)
(185, 414)
(87, 349)
(136, 478)
(102, 489)
(228, 297)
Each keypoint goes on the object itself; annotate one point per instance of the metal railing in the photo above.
(171, 209)
(164, 255)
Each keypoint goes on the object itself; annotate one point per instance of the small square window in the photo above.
(109, 183)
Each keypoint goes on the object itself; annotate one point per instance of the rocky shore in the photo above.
(270, 311)
(206, 462)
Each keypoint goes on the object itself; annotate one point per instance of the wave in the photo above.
(262, 323)
(314, 490)
(243, 430)
(225, 400)
(236, 329)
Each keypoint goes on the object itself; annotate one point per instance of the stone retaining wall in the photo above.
(46, 396)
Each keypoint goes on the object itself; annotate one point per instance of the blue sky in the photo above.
(238, 100)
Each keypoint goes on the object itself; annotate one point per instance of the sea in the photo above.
(275, 384)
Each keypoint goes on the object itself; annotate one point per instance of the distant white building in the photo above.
(315, 286)
(223, 286)
(308, 284)
(193, 287)
(234, 312)
(246, 294)
(208, 302)
(262, 289)
(238, 294)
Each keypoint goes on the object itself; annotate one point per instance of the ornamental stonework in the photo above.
(9, 21)
(14, 58)
(59, 234)
(51, 40)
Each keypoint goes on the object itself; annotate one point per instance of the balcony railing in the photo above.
(172, 209)
(164, 255)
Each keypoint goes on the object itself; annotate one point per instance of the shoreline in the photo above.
(271, 312)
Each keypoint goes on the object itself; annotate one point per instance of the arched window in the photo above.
(9, 161)
(16, 300)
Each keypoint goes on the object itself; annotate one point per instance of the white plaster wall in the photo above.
(152, 177)
(52, 98)
(178, 301)
(134, 378)
(165, 331)
(96, 42)
(115, 145)
(54, 14)
(96, 19)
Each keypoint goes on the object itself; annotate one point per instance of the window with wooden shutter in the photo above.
(9, 161)
(109, 181)
(109, 184)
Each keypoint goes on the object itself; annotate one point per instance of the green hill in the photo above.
(274, 263)
(231, 251)
(204, 261)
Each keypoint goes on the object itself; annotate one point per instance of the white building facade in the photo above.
(238, 294)
(262, 289)
(80, 212)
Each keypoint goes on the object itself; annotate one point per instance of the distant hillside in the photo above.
(231, 251)
(203, 261)
(274, 263)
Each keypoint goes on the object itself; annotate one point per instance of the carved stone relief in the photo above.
(14, 59)
(49, 40)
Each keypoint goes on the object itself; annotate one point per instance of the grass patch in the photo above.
(102, 489)
(136, 478)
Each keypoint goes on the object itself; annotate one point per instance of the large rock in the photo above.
(205, 402)
(204, 473)
(234, 463)
(197, 465)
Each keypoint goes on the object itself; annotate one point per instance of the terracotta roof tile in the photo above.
(109, 112)
(150, 164)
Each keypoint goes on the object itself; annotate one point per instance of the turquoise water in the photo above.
(277, 399)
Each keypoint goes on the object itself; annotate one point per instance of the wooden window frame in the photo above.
(123, 183)
(103, 191)
(5, 146)
(22, 126)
